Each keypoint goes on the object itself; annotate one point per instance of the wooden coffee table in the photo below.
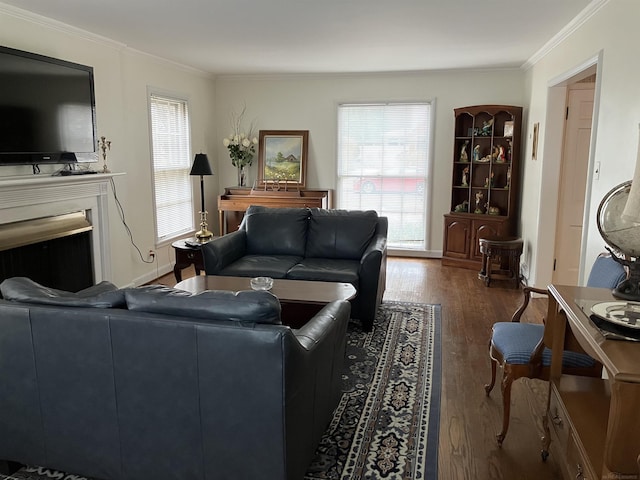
(300, 299)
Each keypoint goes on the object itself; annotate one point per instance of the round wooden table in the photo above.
(505, 251)
(186, 255)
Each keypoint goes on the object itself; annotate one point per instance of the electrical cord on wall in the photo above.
(121, 213)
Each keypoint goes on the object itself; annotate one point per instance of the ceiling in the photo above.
(322, 36)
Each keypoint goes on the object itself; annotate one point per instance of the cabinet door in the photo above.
(483, 228)
(457, 233)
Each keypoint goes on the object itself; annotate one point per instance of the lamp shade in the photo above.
(631, 210)
(201, 165)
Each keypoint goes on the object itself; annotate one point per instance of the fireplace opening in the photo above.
(53, 251)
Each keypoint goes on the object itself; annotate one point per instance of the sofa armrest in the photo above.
(223, 251)
(374, 251)
(371, 262)
(372, 278)
(320, 325)
(313, 375)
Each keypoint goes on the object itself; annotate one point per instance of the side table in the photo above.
(186, 255)
(508, 250)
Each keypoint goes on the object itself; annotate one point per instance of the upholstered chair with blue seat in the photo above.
(519, 349)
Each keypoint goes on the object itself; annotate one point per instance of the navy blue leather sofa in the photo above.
(153, 383)
(308, 244)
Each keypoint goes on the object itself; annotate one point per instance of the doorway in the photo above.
(574, 165)
(543, 243)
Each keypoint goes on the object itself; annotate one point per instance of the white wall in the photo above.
(121, 80)
(611, 35)
(310, 103)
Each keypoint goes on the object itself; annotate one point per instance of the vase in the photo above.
(242, 177)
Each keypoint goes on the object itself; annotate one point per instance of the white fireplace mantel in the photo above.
(38, 196)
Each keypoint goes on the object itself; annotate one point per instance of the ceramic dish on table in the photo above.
(261, 283)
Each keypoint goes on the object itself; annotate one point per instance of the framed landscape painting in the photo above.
(282, 157)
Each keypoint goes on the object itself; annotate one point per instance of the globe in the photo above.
(619, 233)
(623, 236)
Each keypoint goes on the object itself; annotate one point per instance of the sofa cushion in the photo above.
(281, 231)
(25, 290)
(274, 266)
(245, 306)
(340, 233)
(326, 270)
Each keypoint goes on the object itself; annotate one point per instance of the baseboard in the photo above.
(415, 253)
(151, 275)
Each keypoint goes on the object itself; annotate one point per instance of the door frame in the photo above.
(582, 169)
(550, 172)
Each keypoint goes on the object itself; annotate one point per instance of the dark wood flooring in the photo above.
(469, 419)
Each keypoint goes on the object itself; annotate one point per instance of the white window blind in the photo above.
(171, 165)
(383, 152)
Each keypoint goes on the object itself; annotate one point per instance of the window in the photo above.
(171, 165)
(383, 152)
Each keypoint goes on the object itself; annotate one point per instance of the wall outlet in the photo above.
(152, 255)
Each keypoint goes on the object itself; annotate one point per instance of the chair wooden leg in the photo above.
(489, 387)
(507, 380)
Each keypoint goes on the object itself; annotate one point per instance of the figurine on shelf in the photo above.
(494, 153)
(476, 153)
(479, 197)
(488, 182)
(464, 157)
(493, 210)
(462, 207)
(465, 174)
(508, 178)
(501, 157)
(485, 131)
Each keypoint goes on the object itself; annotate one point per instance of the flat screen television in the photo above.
(47, 110)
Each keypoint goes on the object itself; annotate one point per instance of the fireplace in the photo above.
(68, 216)
(53, 251)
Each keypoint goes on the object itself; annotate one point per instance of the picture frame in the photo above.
(282, 158)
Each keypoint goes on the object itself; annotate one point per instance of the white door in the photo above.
(573, 183)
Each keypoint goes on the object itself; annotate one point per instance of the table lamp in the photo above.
(201, 167)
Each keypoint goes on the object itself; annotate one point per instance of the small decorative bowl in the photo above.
(261, 283)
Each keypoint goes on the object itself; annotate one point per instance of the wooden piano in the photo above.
(235, 200)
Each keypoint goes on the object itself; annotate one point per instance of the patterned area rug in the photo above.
(386, 425)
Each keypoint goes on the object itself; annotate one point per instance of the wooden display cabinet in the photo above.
(485, 180)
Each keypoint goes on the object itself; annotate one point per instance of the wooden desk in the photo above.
(235, 201)
(592, 424)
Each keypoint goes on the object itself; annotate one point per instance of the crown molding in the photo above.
(56, 25)
(589, 11)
